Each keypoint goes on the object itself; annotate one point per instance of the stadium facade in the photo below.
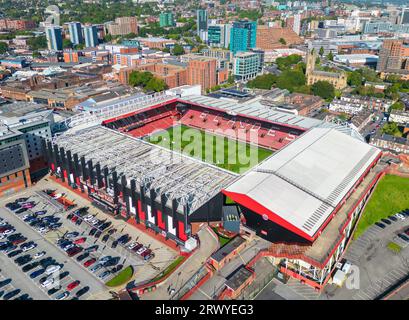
(305, 198)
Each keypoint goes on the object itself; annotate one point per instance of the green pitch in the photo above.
(223, 152)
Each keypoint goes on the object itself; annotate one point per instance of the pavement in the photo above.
(209, 244)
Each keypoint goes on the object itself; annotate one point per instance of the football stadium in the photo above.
(172, 163)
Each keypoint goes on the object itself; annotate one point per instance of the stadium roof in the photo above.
(300, 186)
(190, 181)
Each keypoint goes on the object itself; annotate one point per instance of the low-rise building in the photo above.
(391, 143)
(246, 65)
(304, 104)
(399, 116)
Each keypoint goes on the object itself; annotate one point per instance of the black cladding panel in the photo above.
(12, 159)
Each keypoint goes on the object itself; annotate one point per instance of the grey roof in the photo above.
(228, 248)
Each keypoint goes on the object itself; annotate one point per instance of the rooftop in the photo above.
(189, 181)
(228, 248)
(300, 186)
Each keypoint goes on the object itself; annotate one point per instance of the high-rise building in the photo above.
(75, 31)
(54, 38)
(166, 19)
(91, 36)
(201, 20)
(243, 36)
(297, 24)
(393, 56)
(218, 35)
(405, 16)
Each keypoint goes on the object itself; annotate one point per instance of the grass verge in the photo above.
(121, 278)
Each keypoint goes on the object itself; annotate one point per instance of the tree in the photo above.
(355, 79)
(284, 63)
(323, 89)
(391, 129)
(37, 43)
(397, 106)
(321, 52)
(330, 56)
(290, 79)
(155, 84)
(282, 41)
(3, 47)
(264, 81)
(66, 43)
(178, 50)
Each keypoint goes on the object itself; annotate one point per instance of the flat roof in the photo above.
(300, 186)
(236, 279)
(228, 248)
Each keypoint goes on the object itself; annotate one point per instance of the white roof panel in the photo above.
(304, 182)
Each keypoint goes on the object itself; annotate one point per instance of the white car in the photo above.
(141, 250)
(52, 269)
(39, 254)
(400, 216)
(89, 218)
(30, 247)
(47, 282)
(8, 231)
(66, 248)
(3, 223)
(94, 221)
(132, 245)
(43, 230)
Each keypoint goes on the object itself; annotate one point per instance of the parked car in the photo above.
(62, 296)
(393, 218)
(36, 273)
(83, 256)
(53, 290)
(82, 291)
(89, 262)
(386, 221)
(96, 267)
(73, 285)
(80, 240)
(39, 254)
(53, 268)
(104, 274)
(380, 225)
(11, 294)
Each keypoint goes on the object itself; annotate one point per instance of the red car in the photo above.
(73, 285)
(73, 251)
(80, 240)
(74, 219)
(407, 231)
(89, 262)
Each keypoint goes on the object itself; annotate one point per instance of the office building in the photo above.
(246, 65)
(75, 31)
(243, 36)
(218, 35)
(91, 36)
(405, 16)
(54, 38)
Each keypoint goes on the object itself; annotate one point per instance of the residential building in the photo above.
(91, 36)
(201, 70)
(304, 104)
(405, 16)
(16, 24)
(393, 56)
(54, 38)
(201, 20)
(399, 116)
(166, 19)
(123, 26)
(218, 35)
(243, 36)
(75, 32)
(390, 143)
